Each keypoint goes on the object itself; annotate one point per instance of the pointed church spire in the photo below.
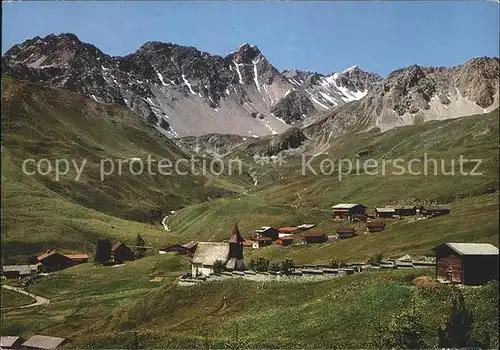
(235, 235)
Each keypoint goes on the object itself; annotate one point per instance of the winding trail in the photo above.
(39, 300)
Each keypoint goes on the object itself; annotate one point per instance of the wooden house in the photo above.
(176, 248)
(466, 263)
(235, 257)
(11, 342)
(434, 210)
(287, 230)
(16, 271)
(285, 240)
(349, 211)
(188, 248)
(406, 210)
(345, 232)
(268, 231)
(43, 342)
(262, 242)
(374, 226)
(77, 258)
(315, 237)
(121, 253)
(51, 261)
(385, 212)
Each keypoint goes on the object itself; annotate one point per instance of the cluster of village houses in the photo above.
(450, 257)
(52, 260)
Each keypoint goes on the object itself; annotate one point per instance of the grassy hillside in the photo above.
(12, 299)
(103, 307)
(39, 212)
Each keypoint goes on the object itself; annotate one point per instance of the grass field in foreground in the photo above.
(98, 308)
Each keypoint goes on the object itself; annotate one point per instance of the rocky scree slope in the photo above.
(183, 91)
(414, 95)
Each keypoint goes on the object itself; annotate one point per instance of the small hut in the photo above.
(345, 232)
(466, 263)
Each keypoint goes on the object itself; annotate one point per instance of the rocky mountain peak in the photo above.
(54, 51)
(247, 53)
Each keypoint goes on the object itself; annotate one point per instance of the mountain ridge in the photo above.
(181, 90)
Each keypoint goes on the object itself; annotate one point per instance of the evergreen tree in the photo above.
(261, 265)
(456, 333)
(140, 252)
(103, 251)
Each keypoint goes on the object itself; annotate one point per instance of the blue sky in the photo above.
(316, 36)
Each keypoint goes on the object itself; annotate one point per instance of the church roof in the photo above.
(235, 235)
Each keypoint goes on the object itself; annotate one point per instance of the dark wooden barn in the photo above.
(51, 261)
(345, 232)
(435, 210)
(385, 212)
(315, 237)
(176, 248)
(121, 253)
(285, 240)
(346, 211)
(406, 210)
(466, 263)
(268, 231)
(374, 226)
(263, 241)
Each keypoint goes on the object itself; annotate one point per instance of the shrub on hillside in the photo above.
(219, 266)
(375, 259)
(404, 331)
(275, 266)
(260, 264)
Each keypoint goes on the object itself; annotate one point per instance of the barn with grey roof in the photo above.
(466, 263)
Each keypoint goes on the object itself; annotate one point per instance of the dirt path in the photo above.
(39, 300)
